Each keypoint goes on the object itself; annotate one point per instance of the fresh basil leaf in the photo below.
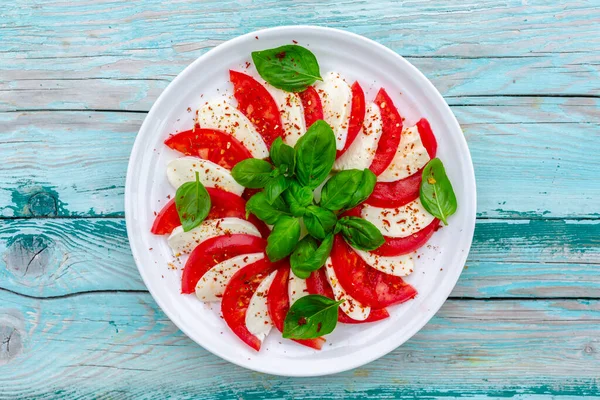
(269, 213)
(283, 157)
(310, 317)
(319, 222)
(192, 202)
(283, 238)
(252, 173)
(347, 189)
(298, 194)
(437, 194)
(308, 257)
(291, 68)
(360, 233)
(315, 154)
(275, 187)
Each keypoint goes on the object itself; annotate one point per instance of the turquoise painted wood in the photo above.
(76, 80)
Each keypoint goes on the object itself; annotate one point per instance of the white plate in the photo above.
(357, 58)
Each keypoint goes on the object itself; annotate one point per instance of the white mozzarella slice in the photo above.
(183, 169)
(336, 99)
(225, 117)
(398, 222)
(291, 112)
(258, 320)
(362, 151)
(410, 157)
(185, 242)
(398, 265)
(296, 288)
(350, 307)
(212, 284)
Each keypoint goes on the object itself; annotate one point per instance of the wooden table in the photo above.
(77, 78)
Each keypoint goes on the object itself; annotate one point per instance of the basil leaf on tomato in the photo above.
(283, 157)
(269, 213)
(291, 67)
(308, 256)
(252, 173)
(310, 317)
(436, 193)
(347, 189)
(192, 202)
(319, 222)
(275, 187)
(360, 233)
(315, 154)
(284, 237)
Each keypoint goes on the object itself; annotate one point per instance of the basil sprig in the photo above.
(192, 202)
(319, 222)
(252, 173)
(309, 256)
(315, 154)
(360, 233)
(265, 211)
(291, 68)
(347, 189)
(436, 193)
(283, 157)
(282, 240)
(310, 317)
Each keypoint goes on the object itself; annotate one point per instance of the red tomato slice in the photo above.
(357, 116)
(237, 295)
(317, 284)
(311, 103)
(209, 144)
(367, 285)
(399, 193)
(391, 125)
(255, 102)
(215, 250)
(278, 303)
(223, 204)
(398, 246)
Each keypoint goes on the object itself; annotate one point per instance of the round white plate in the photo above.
(356, 58)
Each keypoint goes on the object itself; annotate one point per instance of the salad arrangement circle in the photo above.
(301, 205)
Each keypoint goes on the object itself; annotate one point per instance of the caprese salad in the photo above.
(299, 203)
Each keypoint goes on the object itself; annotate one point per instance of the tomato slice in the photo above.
(278, 303)
(311, 103)
(367, 285)
(237, 295)
(317, 283)
(398, 246)
(166, 220)
(255, 102)
(391, 126)
(215, 250)
(209, 144)
(357, 116)
(427, 137)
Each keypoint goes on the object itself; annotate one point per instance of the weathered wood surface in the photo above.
(76, 79)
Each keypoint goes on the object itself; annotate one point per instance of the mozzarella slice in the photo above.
(225, 117)
(182, 170)
(291, 112)
(362, 151)
(336, 99)
(296, 288)
(258, 320)
(212, 284)
(398, 222)
(350, 307)
(398, 265)
(184, 242)
(410, 157)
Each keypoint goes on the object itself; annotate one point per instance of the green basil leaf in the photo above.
(347, 189)
(275, 187)
(310, 317)
(252, 173)
(283, 239)
(291, 68)
(283, 156)
(360, 233)
(315, 154)
(298, 194)
(192, 202)
(308, 257)
(269, 213)
(319, 222)
(437, 194)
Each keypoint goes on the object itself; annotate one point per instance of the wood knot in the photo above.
(12, 330)
(588, 349)
(28, 255)
(43, 204)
